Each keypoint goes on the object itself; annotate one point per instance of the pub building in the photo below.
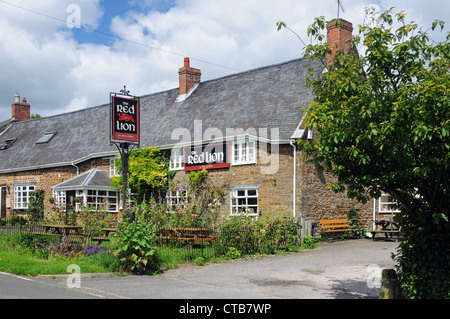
(241, 128)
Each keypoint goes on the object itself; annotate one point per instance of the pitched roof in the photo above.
(92, 179)
(265, 98)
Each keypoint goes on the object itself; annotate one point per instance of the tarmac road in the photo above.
(348, 269)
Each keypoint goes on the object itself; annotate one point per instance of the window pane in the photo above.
(252, 192)
(242, 201)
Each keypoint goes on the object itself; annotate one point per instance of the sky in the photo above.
(66, 55)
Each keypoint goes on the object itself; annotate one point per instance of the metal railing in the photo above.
(211, 243)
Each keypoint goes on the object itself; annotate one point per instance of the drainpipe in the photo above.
(78, 171)
(292, 142)
(374, 216)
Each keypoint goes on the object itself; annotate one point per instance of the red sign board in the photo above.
(125, 119)
(206, 156)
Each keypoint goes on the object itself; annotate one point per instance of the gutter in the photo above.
(53, 165)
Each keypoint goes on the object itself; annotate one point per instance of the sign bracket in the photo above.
(124, 130)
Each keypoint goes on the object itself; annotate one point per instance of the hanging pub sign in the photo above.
(125, 119)
(206, 156)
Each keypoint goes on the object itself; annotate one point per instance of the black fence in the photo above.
(189, 243)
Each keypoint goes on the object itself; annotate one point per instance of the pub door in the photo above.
(70, 200)
(2, 202)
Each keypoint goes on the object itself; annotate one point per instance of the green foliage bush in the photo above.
(249, 235)
(135, 244)
(36, 205)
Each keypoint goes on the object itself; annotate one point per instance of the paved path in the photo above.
(334, 270)
(343, 269)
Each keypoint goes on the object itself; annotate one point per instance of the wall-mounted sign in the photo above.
(125, 119)
(206, 156)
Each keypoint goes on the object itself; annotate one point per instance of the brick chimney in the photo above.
(20, 110)
(188, 77)
(339, 32)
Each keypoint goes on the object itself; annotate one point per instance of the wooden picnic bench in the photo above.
(59, 230)
(189, 235)
(335, 225)
(388, 227)
(105, 236)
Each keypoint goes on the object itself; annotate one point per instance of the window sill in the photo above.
(243, 163)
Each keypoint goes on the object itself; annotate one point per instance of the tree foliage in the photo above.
(383, 126)
(147, 173)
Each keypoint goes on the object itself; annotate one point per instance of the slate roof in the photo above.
(267, 97)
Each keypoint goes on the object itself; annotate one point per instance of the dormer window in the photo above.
(6, 144)
(46, 138)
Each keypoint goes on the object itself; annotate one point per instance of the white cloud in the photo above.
(40, 59)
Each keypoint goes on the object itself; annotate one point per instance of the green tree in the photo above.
(147, 173)
(382, 121)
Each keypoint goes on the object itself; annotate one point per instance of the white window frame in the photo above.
(175, 197)
(239, 201)
(243, 152)
(95, 197)
(22, 196)
(112, 167)
(387, 205)
(60, 198)
(176, 159)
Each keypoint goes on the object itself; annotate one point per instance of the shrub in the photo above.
(67, 246)
(250, 236)
(95, 219)
(94, 249)
(135, 245)
(36, 205)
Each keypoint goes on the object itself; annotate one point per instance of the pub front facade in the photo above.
(241, 128)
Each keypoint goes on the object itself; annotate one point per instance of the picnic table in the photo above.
(190, 235)
(62, 229)
(105, 235)
(388, 227)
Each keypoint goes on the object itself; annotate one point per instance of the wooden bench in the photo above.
(100, 240)
(388, 227)
(104, 237)
(40, 233)
(335, 225)
(190, 235)
(386, 233)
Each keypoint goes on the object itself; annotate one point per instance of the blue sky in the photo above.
(62, 69)
(117, 8)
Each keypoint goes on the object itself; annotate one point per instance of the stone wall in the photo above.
(316, 201)
(273, 171)
(45, 179)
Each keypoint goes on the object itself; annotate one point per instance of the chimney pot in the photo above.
(188, 77)
(20, 110)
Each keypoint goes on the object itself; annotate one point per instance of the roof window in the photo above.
(46, 138)
(6, 144)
